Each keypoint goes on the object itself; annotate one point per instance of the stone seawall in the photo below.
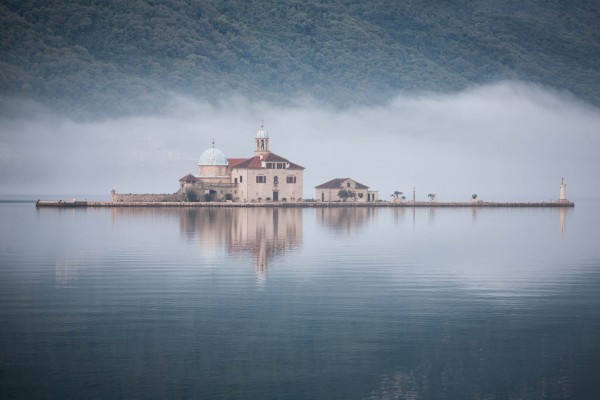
(147, 198)
(408, 204)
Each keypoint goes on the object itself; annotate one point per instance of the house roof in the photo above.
(255, 162)
(232, 162)
(337, 184)
(188, 178)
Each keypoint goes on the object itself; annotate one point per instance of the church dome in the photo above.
(212, 156)
(262, 134)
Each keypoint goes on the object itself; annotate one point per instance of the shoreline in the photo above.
(406, 204)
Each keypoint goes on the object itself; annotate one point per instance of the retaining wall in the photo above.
(330, 205)
(146, 198)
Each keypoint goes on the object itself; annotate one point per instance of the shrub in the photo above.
(190, 195)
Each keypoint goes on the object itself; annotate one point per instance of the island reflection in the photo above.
(346, 220)
(265, 233)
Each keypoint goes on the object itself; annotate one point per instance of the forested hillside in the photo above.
(123, 56)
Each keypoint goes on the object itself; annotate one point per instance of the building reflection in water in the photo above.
(66, 271)
(264, 233)
(345, 219)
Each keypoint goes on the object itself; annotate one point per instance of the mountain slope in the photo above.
(124, 56)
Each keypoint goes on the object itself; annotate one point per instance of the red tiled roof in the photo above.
(295, 166)
(254, 162)
(232, 162)
(249, 163)
(272, 157)
(188, 178)
(337, 184)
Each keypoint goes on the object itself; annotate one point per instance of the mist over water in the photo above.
(507, 141)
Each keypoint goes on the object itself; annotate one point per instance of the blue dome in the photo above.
(262, 134)
(212, 156)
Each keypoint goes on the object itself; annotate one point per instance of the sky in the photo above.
(504, 141)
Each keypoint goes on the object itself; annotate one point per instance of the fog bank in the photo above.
(508, 141)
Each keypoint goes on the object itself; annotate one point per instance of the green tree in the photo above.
(210, 196)
(190, 195)
(397, 195)
(346, 194)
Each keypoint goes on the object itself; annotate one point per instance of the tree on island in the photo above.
(474, 196)
(346, 194)
(190, 195)
(397, 194)
(431, 196)
(210, 196)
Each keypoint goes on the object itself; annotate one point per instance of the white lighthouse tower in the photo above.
(563, 191)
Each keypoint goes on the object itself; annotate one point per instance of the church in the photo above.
(264, 177)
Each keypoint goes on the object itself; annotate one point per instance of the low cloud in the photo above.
(508, 141)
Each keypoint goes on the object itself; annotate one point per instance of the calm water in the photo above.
(299, 304)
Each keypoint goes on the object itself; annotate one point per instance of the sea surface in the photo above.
(268, 303)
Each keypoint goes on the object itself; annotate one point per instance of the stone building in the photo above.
(345, 189)
(263, 177)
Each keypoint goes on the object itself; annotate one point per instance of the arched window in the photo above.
(275, 180)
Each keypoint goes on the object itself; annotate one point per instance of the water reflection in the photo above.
(66, 271)
(398, 213)
(342, 220)
(431, 312)
(345, 220)
(562, 219)
(262, 232)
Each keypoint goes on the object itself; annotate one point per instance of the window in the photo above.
(348, 184)
(235, 180)
(275, 180)
(280, 166)
(241, 179)
(291, 179)
(261, 179)
(270, 165)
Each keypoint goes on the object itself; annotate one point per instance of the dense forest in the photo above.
(124, 56)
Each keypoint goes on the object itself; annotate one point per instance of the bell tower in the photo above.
(262, 141)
